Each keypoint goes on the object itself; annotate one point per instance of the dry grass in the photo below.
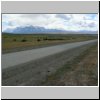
(82, 71)
(14, 41)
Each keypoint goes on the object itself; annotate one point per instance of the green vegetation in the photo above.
(14, 41)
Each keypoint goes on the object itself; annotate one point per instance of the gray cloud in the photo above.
(62, 16)
(52, 21)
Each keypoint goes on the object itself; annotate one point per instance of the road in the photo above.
(16, 58)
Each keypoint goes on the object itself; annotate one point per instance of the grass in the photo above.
(81, 71)
(11, 41)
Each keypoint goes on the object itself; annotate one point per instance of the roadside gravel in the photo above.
(32, 73)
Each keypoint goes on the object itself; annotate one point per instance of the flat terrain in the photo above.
(20, 42)
(12, 59)
(81, 71)
(60, 66)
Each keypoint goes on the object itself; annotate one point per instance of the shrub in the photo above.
(38, 40)
(23, 40)
(45, 39)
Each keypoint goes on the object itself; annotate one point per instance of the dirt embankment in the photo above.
(36, 73)
(81, 71)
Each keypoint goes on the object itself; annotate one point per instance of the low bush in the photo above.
(23, 40)
(38, 40)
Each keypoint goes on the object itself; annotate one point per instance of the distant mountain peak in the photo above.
(29, 29)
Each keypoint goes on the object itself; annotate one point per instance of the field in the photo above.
(17, 42)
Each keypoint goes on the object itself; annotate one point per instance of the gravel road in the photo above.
(12, 59)
(32, 72)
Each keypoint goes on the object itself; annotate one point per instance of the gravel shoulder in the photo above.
(34, 72)
(80, 71)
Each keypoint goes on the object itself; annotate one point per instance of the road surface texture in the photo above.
(28, 68)
(16, 58)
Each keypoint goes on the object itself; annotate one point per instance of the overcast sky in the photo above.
(70, 22)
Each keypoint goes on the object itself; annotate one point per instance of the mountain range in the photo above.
(36, 29)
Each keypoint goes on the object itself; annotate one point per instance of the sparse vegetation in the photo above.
(23, 40)
(14, 40)
(68, 68)
(19, 41)
(38, 40)
(82, 70)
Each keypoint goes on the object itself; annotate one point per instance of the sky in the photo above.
(68, 22)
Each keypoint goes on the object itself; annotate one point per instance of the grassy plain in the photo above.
(17, 41)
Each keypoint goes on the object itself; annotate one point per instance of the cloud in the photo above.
(63, 16)
(70, 22)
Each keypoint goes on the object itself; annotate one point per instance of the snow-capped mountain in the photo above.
(36, 30)
(31, 29)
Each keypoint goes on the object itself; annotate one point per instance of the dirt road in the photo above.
(32, 72)
(12, 59)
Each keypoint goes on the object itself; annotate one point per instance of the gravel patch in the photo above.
(32, 73)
